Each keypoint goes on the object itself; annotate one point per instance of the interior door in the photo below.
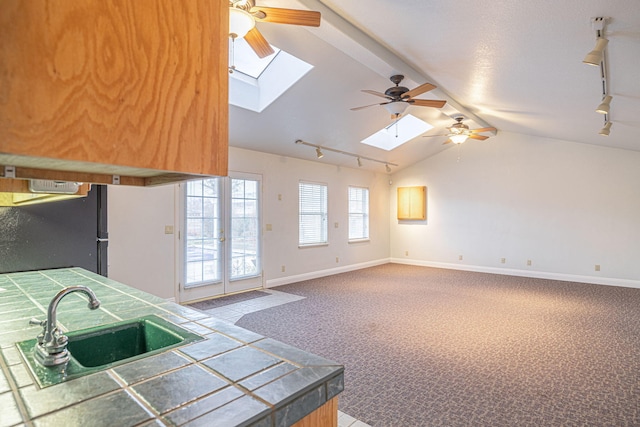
(220, 239)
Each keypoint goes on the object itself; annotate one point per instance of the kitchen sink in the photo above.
(106, 346)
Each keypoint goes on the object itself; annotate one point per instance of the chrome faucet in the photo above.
(51, 349)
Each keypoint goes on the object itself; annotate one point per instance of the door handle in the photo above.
(222, 239)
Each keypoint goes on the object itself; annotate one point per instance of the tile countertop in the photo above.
(232, 378)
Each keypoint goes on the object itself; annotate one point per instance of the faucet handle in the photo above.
(34, 321)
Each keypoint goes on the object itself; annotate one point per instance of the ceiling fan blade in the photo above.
(483, 130)
(419, 90)
(363, 107)
(427, 103)
(479, 137)
(376, 93)
(258, 43)
(278, 15)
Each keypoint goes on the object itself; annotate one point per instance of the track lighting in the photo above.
(595, 56)
(603, 108)
(598, 58)
(605, 130)
(358, 157)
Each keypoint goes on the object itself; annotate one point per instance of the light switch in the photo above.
(268, 227)
(168, 229)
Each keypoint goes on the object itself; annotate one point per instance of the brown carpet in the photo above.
(433, 347)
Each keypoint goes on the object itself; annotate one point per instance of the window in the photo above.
(313, 214)
(202, 247)
(245, 228)
(358, 213)
(398, 132)
(258, 82)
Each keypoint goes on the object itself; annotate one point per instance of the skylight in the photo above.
(247, 62)
(257, 82)
(397, 133)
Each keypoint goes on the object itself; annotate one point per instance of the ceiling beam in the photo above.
(345, 36)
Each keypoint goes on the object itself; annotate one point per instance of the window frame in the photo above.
(324, 214)
(365, 208)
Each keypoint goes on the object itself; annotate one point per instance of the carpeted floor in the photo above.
(229, 299)
(433, 347)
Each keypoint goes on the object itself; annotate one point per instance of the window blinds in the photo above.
(312, 214)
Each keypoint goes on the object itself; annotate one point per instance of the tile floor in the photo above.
(233, 312)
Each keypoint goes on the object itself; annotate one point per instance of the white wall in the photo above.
(564, 206)
(141, 255)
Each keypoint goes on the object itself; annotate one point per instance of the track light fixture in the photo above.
(605, 130)
(598, 57)
(359, 158)
(603, 108)
(597, 54)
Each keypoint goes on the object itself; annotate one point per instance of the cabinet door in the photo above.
(412, 203)
(141, 84)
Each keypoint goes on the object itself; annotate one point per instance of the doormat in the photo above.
(230, 299)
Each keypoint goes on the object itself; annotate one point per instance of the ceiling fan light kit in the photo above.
(459, 138)
(396, 108)
(240, 23)
(598, 57)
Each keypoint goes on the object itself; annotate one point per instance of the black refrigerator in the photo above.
(67, 233)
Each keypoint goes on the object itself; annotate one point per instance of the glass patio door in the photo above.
(220, 240)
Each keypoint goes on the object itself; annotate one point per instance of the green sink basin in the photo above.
(106, 346)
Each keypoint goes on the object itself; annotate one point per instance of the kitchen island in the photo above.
(232, 377)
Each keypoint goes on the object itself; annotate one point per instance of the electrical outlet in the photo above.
(279, 196)
(597, 267)
(459, 257)
(335, 225)
(529, 262)
(503, 260)
(337, 259)
(406, 253)
(283, 268)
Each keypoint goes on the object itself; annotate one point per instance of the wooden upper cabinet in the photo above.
(137, 88)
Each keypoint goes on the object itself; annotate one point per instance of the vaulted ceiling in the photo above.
(510, 64)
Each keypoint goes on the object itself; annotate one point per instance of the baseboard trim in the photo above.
(323, 273)
(609, 281)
